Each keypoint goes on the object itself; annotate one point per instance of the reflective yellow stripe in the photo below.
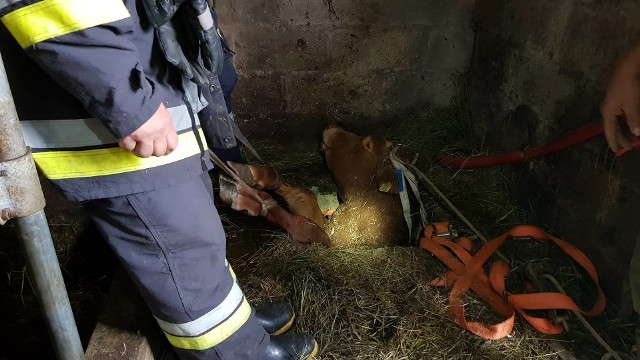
(207, 321)
(216, 335)
(58, 165)
(51, 18)
(233, 274)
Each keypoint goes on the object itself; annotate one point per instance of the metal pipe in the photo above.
(12, 144)
(45, 273)
(35, 236)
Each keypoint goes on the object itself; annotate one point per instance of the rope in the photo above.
(453, 207)
(584, 322)
(243, 139)
(266, 205)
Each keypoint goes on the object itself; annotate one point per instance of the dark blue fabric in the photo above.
(231, 154)
(215, 119)
(228, 80)
(229, 76)
(116, 72)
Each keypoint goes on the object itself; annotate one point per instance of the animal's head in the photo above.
(358, 163)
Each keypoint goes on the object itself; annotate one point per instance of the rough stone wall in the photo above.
(309, 59)
(540, 69)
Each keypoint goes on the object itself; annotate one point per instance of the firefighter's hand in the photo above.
(156, 137)
(621, 107)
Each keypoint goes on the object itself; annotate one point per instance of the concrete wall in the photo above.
(540, 69)
(309, 59)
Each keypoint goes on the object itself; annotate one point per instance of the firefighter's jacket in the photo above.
(85, 73)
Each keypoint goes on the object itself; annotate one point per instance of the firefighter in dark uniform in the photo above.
(112, 124)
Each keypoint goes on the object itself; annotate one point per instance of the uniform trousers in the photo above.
(172, 244)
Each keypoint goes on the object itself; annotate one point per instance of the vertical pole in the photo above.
(44, 272)
(35, 237)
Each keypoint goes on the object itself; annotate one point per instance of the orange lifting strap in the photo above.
(467, 273)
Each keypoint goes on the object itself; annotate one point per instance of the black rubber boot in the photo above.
(291, 347)
(275, 318)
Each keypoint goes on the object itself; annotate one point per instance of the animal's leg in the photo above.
(237, 199)
(299, 228)
(301, 201)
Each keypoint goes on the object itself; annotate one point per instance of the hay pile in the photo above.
(375, 304)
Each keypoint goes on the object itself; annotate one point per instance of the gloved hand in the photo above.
(172, 50)
(211, 50)
(208, 37)
(160, 12)
(187, 35)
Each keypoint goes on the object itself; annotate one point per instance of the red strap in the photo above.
(467, 273)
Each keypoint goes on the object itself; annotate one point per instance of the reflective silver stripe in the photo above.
(5, 3)
(51, 134)
(208, 320)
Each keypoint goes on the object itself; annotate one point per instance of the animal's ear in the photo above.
(386, 179)
(368, 143)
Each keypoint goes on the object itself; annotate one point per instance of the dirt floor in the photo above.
(358, 303)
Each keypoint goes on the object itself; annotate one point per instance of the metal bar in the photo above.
(44, 272)
(36, 241)
(12, 144)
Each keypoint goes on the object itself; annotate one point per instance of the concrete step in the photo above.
(126, 329)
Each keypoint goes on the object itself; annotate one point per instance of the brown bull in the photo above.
(370, 211)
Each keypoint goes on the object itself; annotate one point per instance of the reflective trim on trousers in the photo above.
(211, 328)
